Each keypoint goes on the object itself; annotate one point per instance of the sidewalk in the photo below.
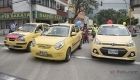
(1, 41)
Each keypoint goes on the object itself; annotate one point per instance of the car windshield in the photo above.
(113, 31)
(28, 27)
(61, 31)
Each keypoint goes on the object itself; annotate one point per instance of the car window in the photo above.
(61, 31)
(28, 27)
(73, 29)
(113, 31)
(39, 29)
(46, 27)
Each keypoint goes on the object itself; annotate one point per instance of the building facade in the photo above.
(135, 6)
(23, 11)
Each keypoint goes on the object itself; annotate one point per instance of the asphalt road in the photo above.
(80, 67)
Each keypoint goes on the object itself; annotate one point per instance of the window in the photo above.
(5, 3)
(1, 3)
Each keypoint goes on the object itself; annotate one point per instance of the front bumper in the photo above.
(50, 54)
(122, 55)
(16, 45)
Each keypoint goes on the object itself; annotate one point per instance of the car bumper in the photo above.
(16, 45)
(125, 56)
(49, 54)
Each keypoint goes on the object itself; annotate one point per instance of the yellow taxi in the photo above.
(21, 39)
(57, 43)
(113, 41)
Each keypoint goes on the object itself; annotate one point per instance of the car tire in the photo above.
(10, 49)
(68, 55)
(80, 46)
(131, 61)
(29, 46)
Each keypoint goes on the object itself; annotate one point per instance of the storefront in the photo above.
(23, 17)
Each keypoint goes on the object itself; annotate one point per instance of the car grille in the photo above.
(114, 44)
(44, 46)
(12, 39)
(121, 51)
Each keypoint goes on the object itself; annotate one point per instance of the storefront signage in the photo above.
(9, 16)
(41, 15)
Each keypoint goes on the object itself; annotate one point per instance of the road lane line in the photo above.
(137, 63)
(88, 58)
(82, 57)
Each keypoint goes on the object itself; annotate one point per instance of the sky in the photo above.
(115, 4)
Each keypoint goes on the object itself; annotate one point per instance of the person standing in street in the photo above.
(85, 34)
(12, 27)
(94, 30)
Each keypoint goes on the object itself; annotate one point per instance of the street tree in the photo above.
(104, 15)
(86, 6)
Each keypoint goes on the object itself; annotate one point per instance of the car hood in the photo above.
(17, 34)
(48, 40)
(114, 39)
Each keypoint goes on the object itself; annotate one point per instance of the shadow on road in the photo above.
(16, 51)
(53, 62)
(113, 61)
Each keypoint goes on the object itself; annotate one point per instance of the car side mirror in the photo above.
(37, 31)
(20, 29)
(73, 34)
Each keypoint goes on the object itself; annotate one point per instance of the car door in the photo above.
(74, 38)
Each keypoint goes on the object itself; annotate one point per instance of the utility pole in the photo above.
(31, 15)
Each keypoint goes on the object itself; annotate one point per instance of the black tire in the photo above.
(68, 55)
(10, 49)
(80, 46)
(131, 61)
(29, 47)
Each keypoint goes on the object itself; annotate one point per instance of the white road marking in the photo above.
(137, 63)
(88, 58)
(82, 57)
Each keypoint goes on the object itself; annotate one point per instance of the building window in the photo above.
(5, 3)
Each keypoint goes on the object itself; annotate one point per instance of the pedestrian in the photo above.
(94, 31)
(12, 27)
(85, 34)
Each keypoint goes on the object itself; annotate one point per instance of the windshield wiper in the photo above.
(113, 34)
(100, 34)
(55, 35)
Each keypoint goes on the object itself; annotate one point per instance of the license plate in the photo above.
(113, 51)
(42, 53)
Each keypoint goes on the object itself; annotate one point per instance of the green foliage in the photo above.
(84, 5)
(117, 17)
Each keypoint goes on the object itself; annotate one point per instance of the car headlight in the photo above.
(21, 38)
(59, 45)
(96, 41)
(33, 43)
(131, 43)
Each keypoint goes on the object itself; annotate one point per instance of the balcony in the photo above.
(61, 13)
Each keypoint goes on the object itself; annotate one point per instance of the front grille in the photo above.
(44, 46)
(20, 43)
(114, 44)
(18, 46)
(12, 39)
(121, 51)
